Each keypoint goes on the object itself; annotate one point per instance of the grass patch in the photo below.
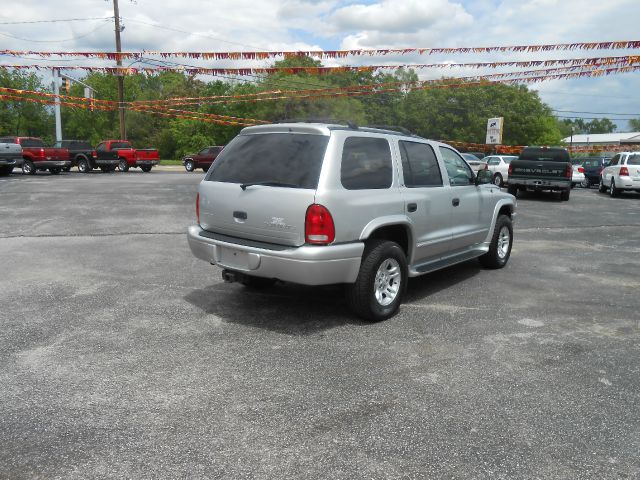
(170, 162)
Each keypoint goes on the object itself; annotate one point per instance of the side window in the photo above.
(614, 160)
(458, 170)
(366, 163)
(203, 151)
(419, 165)
(101, 147)
(493, 161)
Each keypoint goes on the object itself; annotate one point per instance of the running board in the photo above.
(448, 261)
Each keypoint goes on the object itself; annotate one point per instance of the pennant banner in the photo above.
(258, 55)
(591, 62)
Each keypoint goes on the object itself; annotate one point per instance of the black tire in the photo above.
(499, 252)
(601, 187)
(55, 170)
(613, 190)
(28, 168)
(564, 195)
(5, 171)
(189, 166)
(205, 169)
(586, 183)
(573, 185)
(146, 168)
(123, 165)
(497, 180)
(365, 299)
(83, 166)
(257, 283)
(513, 190)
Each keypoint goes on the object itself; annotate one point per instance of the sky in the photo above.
(233, 25)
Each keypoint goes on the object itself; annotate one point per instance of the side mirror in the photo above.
(483, 177)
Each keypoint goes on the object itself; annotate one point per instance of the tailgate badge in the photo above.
(277, 222)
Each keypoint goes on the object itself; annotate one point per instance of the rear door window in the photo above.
(288, 159)
(366, 163)
(458, 170)
(419, 165)
(31, 142)
(493, 161)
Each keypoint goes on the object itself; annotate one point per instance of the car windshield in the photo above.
(545, 155)
(291, 159)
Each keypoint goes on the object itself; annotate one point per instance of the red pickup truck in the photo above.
(35, 156)
(129, 157)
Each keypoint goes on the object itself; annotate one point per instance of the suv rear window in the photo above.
(366, 163)
(545, 154)
(31, 142)
(287, 158)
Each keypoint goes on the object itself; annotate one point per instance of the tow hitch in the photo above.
(229, 277)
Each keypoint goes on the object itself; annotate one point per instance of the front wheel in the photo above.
(382, 280)
(500, 247)
(146, 168)
(497, 180)
(564, 195)
(189, 166)
(123, 165)
(83, 166)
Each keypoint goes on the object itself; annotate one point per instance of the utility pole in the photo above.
(120, 77)
(56, 107)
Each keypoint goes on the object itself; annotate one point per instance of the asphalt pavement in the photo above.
(123, 356)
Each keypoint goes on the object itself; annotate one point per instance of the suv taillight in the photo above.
(318, 225)
(198, 207)
(624, 171)
(94, 154)
(510, 169)
(568, 172)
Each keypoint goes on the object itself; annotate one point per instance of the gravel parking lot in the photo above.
(122, 356)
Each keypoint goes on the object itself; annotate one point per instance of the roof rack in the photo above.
(393, 128)
(334, 121)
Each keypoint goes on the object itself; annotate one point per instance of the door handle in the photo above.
(412, 207)
(455, 202)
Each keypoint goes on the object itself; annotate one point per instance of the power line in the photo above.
(55, 41)
(599, 113)
(54, 21)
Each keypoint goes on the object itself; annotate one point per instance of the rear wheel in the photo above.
(613, 190)
(500, 247)
(55, 170)
(585, 183)
(564, 195)
(123, 165)
(189, 166)
(146, 168)
(83, 165)
(28, 167)
(378, 290)
(601, 187)
(205, 169)
(497, 180)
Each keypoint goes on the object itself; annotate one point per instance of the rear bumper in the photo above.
(627, 183)
(306, 265)
(540, 184)
(145, 163)
(10, 162)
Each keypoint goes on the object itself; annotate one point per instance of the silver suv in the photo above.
(320, 204)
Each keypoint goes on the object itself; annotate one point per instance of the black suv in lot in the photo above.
(593, 166)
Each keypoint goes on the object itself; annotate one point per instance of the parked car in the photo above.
(577, 176)
(593, 167)
(10, 157)
(541, 168)
(86, 158)
(129, 157)
(498, 165)
(320, 204)
(35, 156)
(480, 155)
(203, 159)
(621, 174)
(474, 162)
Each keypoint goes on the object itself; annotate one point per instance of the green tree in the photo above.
(634, 124)
(23, 117)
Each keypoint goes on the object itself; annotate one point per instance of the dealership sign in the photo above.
(494, 130)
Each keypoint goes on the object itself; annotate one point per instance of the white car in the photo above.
(498, 165)
(622, 173)
(577, 178)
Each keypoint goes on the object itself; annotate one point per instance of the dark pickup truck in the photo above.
(541, 168)
(86, 158)
(38, 157)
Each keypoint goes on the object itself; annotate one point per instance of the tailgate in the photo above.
(537, 169)
(147, 154)
(263, 213)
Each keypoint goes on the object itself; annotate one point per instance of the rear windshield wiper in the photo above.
(269, 183)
